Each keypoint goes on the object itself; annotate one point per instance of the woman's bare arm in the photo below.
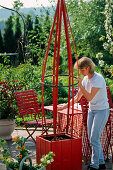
(88, 95)
(76, 99)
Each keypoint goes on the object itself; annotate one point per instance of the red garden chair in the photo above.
(109, 125)
(86, 148)
(28, 105)
(106, 137)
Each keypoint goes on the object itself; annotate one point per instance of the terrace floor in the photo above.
(32, 147)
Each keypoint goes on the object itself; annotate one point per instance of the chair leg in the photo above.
(112, 157)
(30, 134)
(46, 129)
(109, 140)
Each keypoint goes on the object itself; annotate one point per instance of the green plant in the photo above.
(7, 101)
(23, 152)
(105, 57)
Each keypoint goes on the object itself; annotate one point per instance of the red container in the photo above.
(68, 151)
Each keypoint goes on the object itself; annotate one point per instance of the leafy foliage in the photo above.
(18, 32)
(23, 152)
(1, 44)
(87, 24)
(9, 39)
(7, 107)
(105, 57)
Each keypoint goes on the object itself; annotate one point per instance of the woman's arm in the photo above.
(76, 99)
(88, 95)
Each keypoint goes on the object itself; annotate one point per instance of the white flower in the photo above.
(52, 160)
(42, 159)
(46, 156)
(106, 46)
(48, 162)
(101, 63)
(99, 55)
(107, 6)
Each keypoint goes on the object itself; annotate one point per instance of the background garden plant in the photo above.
(8, 109)
(22, 153)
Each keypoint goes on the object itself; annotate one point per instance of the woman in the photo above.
(93, 87)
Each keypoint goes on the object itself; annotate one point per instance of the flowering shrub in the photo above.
(108, 71)
(108, 26)
(23, 152)
(46, 159)
(107, 41)
(7, 106)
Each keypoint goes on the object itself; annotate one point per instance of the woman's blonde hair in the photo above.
(84, 62)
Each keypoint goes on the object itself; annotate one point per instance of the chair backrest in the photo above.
(84, 105)
(109, 97)
(83, 102)
(27, 100)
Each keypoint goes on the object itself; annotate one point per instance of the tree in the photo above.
(105, 57)
(37, 28)
(9, 40)
(34, 42)
(29, 25)
(87, 22)
(47, 24)
(17, 5)
(46, 32)
(1, 43)
(18, 32)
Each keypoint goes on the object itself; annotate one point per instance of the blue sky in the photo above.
(27, 3)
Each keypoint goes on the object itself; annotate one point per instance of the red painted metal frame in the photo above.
(68, 153)
(60, 11)
(62, 121)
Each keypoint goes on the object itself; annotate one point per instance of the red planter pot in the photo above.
(68, 152)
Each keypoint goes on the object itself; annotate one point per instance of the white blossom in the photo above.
(42, 159)
(48, 162)
(99, 55)
(106, 45)
(101, 63)
(52, 160)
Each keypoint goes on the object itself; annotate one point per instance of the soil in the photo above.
(58, 137)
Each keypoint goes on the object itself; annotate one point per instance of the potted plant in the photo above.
(7, 108)
(23, 155)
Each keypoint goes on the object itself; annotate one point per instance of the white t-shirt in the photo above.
(100, 100)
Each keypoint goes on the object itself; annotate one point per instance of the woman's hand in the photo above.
(79, 81)
(61, 106)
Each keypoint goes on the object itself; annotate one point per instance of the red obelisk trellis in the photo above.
(71, 149)
(60, 11)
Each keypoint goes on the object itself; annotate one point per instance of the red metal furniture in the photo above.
(28, 105)
(109, 127)
(62, 118)
(86, 149)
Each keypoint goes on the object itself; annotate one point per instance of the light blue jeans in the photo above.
(96, 122)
